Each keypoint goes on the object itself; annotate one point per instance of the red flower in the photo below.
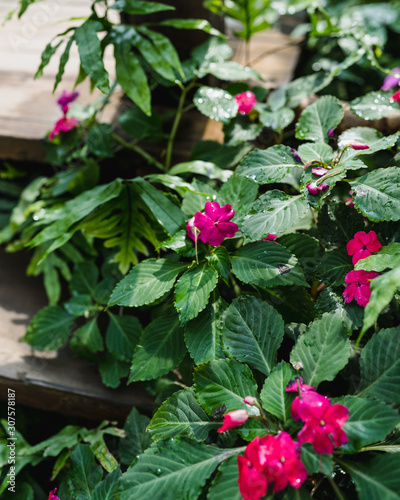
(271, 237)
(63, 125)
(246, 101)
(359, 286)
(363, 245)
(358, 145)
(323, 425)
(233, 419)
(252, 483)
(52, 495)
(396, 96)
(213, 225)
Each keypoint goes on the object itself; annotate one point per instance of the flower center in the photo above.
(322, 423)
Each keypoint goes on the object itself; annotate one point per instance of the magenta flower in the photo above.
(358, 145)
(250, 400)
(296, 155)
(65, 99)
(396, 96)
(363, 245)
(63, 125)
(233, 419)
(331, 132)
(315, 190)
(271, 237)
(252, 483)
(52, 495)
(246, 101)
(391, 81)
(359, 286)
(319, 171)
(213, 226)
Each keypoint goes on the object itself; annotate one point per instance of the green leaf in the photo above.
(318, 118)
(161, 349)
(99, 140)
(334, 266)
(215, 103)
(240, 130)
(369, 421)
(269, 165)
(170, 470)
(230, 71)
(202, 334)
(225, 484)
(140, 6)
(323, 350)
(122, 336)
(62, 63)
(140, 126)
(167, 213)
(192, 24)
(380, 367)
(377, 194)
(49, 329)
(306, 249)
(83, 473)
(131, 77)
(315, 151)
(296, 494)
(181, 415)
(252, 333)
(181, 244)
(193, 289)
(164, 46)
(373, 106)
(305, 86)
(90, 53)
(266, 264)
(388, 257)
(220, 260)
(89, 336)
(376, 479)
(146, 282)
(337, 223)
(383, 289)
(47, 54)
(155, 58)
(278, 119)
(316, 462)
(84, 279)
(223, 382)
(352, 313)
(105, 489)
(274, 398)
(137, 438)
(112, 370)
(199, 167)
(274, 213)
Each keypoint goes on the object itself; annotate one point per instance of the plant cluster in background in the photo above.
(253, 298)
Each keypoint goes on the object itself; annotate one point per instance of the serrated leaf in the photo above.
(181, 416)
(266, 264)
(274, 213)
(318, 118)
(315, 151)
(215, 103)
(89, 336)
(202, 334)
(380, 367)
(47, 54)
(376, 479)
(62, 63)
(83, 473)
(146, 282)
(338, 223)
(274, 398)
(369, 421)
(170, 470)
(84, 279)
(373, 106)
(352, 313)
(112, 370)
(334, 266)
(240, 130)
(277, 119)
(80, 305)
(161, 349)
(201, 167)
(306, 249)
(323, 350)
(388, 257)
(105, 489)
(220, 260)
(316, 462)
(122, 336)
(225, 484)
(269, 165)
(140, 126)
(49, 329)
(137, 438)
(377, 194)
(193, 289)
(252, 332)
(223, 382)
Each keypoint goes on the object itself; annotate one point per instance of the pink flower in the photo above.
(233, 419)
(331, 132)
(359, 286)
(315, 190)
(395, 96)
(271, 237)
(323, 426)
(63, 125)
(52, 495)
(358, 145)
(252, 483)
(65, 99)
(246, 101)
(250, 400)
(363, 245)
(391, 81)
(213, 225)
(296, 155)
(296, 384)
(319, 171)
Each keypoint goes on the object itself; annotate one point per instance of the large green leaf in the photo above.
(192, 24)
(201, 167)
(266, 264)
(122, 336)
(161, 349)
(315, 151)
(49, 329)
(223, 382)
(373, 106)
(170, 470)
(112, 370)
(252, 332)
(181, 415)
(164, 46)
(330, 300)
(274, 213)
(387, 258)
(84, 279)
(316, 462)
(307, 249)
(334, 266)
(318, 118)
(83, 473)
(274, 398)
(215, 103)
(337, 223)
(383, 289)
(369, 421)
(140, 7)
(193, 289)
(137, 438)
(380, 366)
(146, 282)
(323, 350)
(269, 165)
(230, 71)
(90, 53)
(238, 192)
(88, 336)
(376, 479)
(202, 334)
(105, 489)
(225, 484)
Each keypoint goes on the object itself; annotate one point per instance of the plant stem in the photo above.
(130, 145)
(335, 488)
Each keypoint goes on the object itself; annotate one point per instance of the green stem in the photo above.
(134, 147)
(335, 488)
